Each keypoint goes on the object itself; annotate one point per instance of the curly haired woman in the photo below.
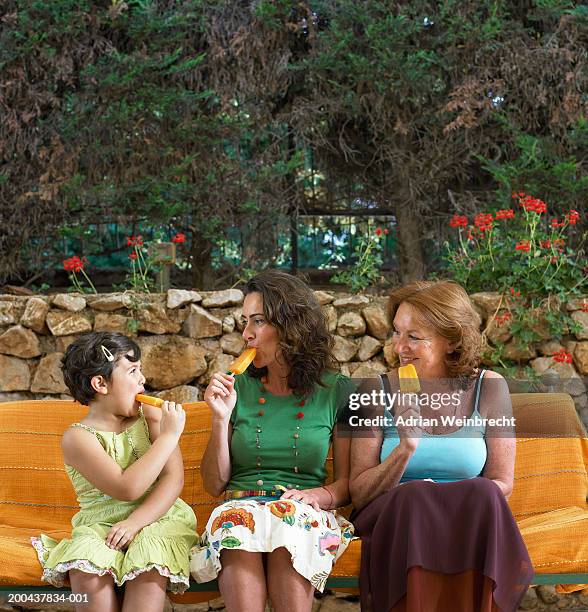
(276, 535)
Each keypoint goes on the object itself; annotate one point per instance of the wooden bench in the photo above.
(549, 500)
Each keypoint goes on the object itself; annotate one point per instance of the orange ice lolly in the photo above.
(237, 367)
(409, 381)
(158, 402)
(242, 362)
(148, 399)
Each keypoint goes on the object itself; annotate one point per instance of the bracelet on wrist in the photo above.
(330, 507)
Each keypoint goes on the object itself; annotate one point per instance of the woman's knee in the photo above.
(484, 487)
(281, 554)
(240, 557)
(411, 491)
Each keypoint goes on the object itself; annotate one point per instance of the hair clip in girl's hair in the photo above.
(109, 356)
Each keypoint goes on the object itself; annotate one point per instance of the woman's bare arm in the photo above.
(500, 441)
(215, 467)
(369, 478)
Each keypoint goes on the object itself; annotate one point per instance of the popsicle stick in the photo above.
(158, 402)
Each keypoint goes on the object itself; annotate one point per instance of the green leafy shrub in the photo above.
(367, 258)
(526, 257)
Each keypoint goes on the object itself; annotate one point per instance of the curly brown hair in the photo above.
(446, 307)
(303, 337)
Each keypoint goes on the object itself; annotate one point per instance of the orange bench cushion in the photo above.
(549, 499)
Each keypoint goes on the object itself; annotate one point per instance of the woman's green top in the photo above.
(264, 449)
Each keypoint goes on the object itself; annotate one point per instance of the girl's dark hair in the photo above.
(85, 358)
(303, 336)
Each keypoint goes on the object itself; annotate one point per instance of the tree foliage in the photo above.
(206, 114)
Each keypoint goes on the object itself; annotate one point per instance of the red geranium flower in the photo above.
(458, 221)
(523, 245)
(519, 195)
(501, 319)
(505, 213)
(483, 221)
(386, 232)
(179, 238)
(562, 356)
(533, 205)
(133, 255)
(74, 264)
(379, 231)
(135, 241)
(545, 244)
(573, 217)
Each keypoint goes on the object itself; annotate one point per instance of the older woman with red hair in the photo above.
(430, 485)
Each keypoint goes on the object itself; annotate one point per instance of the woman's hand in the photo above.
(122, 534)
(410, 435)
(220, 395)
(312, 497)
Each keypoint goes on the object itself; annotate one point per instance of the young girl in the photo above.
(125, 465)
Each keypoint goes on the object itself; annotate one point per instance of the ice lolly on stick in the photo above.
(148, 399)
(409, 381)
(242, 362)
(158, 402)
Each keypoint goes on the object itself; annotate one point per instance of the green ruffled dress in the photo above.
(163, 545)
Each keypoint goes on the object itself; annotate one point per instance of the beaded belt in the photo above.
(252, 493)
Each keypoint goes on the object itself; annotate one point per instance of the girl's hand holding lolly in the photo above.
(173, 419)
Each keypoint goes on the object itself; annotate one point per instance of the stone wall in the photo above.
(187, 335)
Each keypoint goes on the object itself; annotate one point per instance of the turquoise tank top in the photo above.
(458, 455)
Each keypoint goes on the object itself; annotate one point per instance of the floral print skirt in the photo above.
(315, 540)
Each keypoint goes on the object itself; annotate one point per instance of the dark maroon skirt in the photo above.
(461, 540)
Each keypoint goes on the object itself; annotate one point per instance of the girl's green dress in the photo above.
(163, 545)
